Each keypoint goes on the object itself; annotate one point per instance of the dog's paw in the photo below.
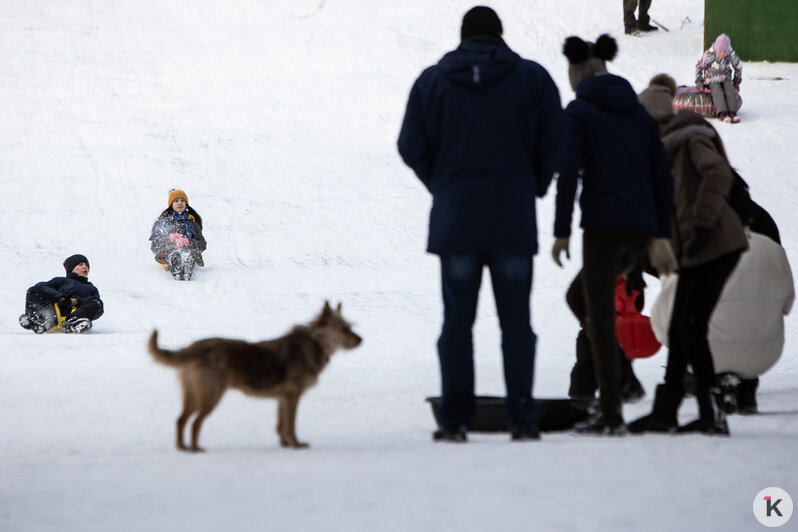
(197, 449)
(301, 445)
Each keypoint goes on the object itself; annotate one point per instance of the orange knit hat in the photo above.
(177, 193)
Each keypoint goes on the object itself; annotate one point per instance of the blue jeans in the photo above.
(461, 276)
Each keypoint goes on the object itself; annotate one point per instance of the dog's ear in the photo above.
(338, 309)
(326, 313)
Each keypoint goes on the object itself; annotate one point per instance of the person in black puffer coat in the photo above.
(75, 297)
(615, 150)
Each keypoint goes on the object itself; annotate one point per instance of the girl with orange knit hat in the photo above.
(176, 237)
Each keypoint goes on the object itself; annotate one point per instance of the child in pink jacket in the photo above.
(720, 70)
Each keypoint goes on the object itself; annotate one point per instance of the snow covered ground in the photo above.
(279, 119)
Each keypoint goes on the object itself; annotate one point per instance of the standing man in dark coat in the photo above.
(615, 150)
(482, 131)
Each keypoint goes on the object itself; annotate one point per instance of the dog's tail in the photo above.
(165, 356)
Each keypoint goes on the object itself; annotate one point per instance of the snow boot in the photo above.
(604, 422)
(188, 266)
(75, 325)
(176, 265)
(32, 323)
(727, 384)
(663, 416)
(452, 436)
(746, 396)
(711, 416)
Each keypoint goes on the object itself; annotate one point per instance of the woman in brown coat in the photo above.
(708, 238)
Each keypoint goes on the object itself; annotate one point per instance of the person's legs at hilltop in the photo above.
(461, 276)
(511, 276)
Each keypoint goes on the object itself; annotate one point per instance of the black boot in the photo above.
(606, 420)
(746, 396)
(712, 418)
(583, 375)
(663, 414)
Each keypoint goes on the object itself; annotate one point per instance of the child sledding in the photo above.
(718, 75)
(176, 237)
(68, 303)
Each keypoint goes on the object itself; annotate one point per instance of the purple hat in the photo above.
(722, 44)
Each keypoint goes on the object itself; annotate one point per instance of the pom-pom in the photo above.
(664, 80)
(605, 48)
(576, 50)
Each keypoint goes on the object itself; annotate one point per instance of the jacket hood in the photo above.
(683, 126)
(477, 62)
(609, 92)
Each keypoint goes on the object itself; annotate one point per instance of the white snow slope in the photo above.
(280, 119)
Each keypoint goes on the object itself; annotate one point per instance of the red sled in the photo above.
(633, 328)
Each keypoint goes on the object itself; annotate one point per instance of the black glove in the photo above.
(698, 242)
(699, 85)
(65, 305)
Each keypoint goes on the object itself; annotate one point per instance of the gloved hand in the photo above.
(699, 85)
(736, 87)
(661, 256)
(179, 240)
(66, 305)
(560, 245)
(698, 242)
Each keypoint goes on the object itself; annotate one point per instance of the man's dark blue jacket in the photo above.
(483, 131)
(615, 145)
(73, 285)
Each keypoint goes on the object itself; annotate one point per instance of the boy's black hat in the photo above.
(480, 20)
(74, 260)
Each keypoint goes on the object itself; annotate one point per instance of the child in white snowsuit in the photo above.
(720, 70)
(176, 237)
(74, 295)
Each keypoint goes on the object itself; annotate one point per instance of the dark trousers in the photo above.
(511, 276)
(629, 21)
(583, 374)
(591, 298)
(697, 293)
(39, 305)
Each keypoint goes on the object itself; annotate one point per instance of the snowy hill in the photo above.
(279, 119)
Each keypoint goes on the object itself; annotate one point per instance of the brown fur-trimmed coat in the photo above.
(702, 178)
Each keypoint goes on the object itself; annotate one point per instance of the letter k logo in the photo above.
(772, 506)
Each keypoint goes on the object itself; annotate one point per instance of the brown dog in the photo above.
(282, 368)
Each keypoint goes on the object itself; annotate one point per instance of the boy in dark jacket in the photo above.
(74, 296)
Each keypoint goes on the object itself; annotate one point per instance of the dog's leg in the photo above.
(189, 407)
(282, 414)
(208, 401)
(293, 402)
